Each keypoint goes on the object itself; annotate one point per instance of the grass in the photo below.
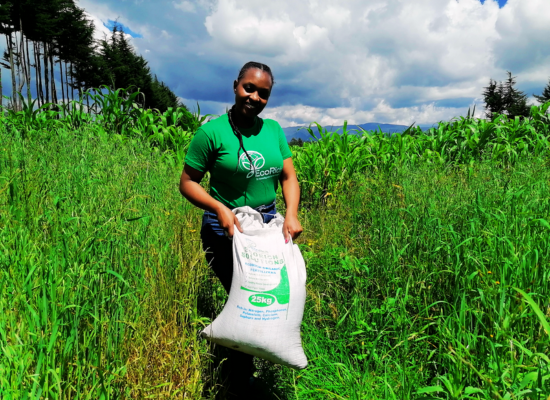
(99, 272)
(427, 279)
(430, 283)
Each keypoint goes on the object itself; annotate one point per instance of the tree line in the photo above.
(504, 98)
(52, 56)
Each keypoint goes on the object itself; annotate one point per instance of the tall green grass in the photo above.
(427, 256)
(429, 283)
(99, 277)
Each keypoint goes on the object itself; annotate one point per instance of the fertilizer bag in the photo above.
(264, 311)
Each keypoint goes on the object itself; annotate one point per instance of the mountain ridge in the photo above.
(300, 132)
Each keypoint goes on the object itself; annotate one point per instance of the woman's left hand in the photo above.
(291, 193)
(291, 228)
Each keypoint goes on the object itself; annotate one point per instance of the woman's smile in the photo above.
(251, 95)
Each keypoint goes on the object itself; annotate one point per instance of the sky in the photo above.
(387, 61)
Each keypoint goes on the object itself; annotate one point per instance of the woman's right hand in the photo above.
(192, 190)
(228, 220)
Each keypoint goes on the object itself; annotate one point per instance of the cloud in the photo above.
(383, 113)
(110, 24)
(387, 57)
(365, 50)
(157, 38)
(364, 61)
(185, 6)
(101, 16)
(524, 30)
(244, 29)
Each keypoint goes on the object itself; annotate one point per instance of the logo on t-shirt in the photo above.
(255, 167)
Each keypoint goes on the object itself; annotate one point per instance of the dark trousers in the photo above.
(219, 254)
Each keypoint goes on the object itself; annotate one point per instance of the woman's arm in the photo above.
(291, 193)
(191, 189)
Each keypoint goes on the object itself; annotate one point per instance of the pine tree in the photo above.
(493, 97)
(545, 96)
(56, 39)
(77, 49)
(126, 69)
(504, 98)
(515, 100)
(163, 97)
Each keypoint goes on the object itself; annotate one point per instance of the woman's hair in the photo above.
(254, 64)
(236, 131)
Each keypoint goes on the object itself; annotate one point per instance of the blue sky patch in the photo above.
(110, 24)
(501, 3)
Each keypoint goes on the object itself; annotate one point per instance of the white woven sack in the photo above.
(264, 311)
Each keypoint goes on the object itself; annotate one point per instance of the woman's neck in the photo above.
(241, 121)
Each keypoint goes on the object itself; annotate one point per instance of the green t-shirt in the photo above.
(233, 180)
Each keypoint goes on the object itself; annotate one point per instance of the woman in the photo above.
(247, 157)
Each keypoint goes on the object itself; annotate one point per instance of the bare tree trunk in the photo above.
(54, 93)
(46, 73)
(9, 42)
(24, 55)
(24, 65)
(39, 91)
(72, 84)
(67, 81)
(36, 74)
(29, 71)
(20, 64)
(62, 87)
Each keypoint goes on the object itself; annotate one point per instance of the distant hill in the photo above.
(299, 132)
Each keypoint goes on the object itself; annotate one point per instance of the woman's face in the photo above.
(252, 92)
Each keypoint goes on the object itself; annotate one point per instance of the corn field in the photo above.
(328, 163)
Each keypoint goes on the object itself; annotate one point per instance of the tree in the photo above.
(296, 142)
(8, 27)
(504, 98)
(76, 47)
(545, 96)
(46, 34)
(493, 97)
(126, 69)
(163, 97)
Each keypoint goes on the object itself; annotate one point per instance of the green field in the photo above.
(428, 259)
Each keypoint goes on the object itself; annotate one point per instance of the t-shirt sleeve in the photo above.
(201, 151)
(283, 144)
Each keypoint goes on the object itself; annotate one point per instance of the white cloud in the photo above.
(524, 30)
(387, 59)
(185, 6)
(299, 115)
(101, 31)
(155, 41)
(214, 108)
(365, 61)
(245, 29)
(99, 14)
